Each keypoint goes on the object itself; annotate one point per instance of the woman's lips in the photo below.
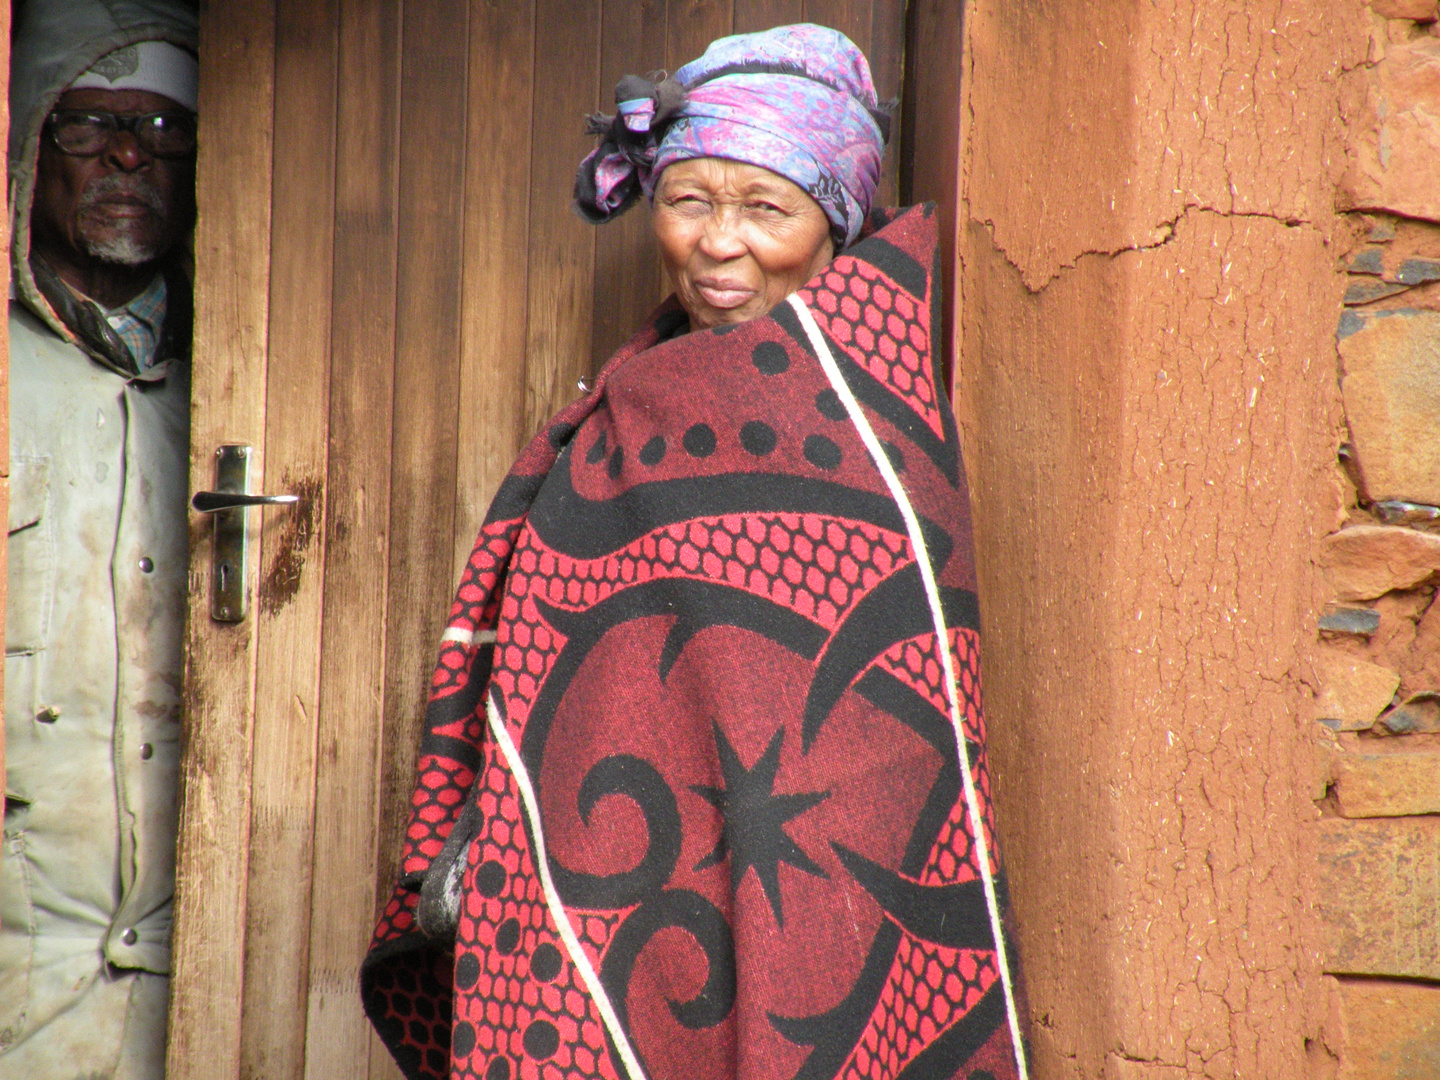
(723, 293)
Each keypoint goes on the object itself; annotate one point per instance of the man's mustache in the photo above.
(133, 187)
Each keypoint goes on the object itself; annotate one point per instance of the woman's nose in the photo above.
(721, 240)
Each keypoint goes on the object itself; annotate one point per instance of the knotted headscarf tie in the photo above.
(797, 100)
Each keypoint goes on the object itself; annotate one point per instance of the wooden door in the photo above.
(392, 294)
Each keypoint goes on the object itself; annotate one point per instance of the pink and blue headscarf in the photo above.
(797, 100)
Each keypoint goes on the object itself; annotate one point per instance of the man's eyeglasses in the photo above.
(88, 132)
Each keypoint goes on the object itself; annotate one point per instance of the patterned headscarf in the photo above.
(797, 100)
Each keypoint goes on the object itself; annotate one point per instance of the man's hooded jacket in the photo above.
(94, 615)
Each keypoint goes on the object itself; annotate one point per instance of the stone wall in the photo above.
(1166, 210)
(1377, 666)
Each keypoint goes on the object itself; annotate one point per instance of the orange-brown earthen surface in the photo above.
(1198, 255)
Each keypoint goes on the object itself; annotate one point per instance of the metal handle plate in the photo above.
(228, 506)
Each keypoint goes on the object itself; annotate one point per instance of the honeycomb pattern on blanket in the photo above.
(414, 1012)
(915, 663)
(882, 328)
(477, 602)
(929, 988)
(953, 857)
(814, 565)
(443, 786)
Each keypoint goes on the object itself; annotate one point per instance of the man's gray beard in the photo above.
(121, 248)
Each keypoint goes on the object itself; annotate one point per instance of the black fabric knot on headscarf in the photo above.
(645, 106)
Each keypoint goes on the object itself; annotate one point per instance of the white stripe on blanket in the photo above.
(552, 897)
(942, 644)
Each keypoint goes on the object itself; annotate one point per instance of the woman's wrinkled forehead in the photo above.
(738, 179)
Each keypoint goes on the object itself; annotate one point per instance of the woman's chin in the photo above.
(707, 316)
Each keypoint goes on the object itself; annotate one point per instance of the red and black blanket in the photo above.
(703, 792)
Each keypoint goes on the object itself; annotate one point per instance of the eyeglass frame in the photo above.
(117, 123)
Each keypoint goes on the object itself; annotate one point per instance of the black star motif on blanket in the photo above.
(754, 835)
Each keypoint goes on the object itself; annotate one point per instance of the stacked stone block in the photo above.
(1378, 664)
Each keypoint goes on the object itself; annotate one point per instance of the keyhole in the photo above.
(224, 576)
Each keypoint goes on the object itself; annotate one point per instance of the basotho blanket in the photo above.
(702, 793)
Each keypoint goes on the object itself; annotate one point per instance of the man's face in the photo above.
(122, 206)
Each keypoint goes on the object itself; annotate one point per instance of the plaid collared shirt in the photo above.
(140, 322)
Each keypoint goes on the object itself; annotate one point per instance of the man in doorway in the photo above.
(102, 158)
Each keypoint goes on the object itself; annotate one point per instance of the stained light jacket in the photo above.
(94, 614)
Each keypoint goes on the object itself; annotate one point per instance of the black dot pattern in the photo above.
(617, 462)
(769, 358)
(490, 878)
(757, 438)
(821, 452)
(498, 1069)
(560, 434)
(653, 452)
(507, 938)
(829, 405)
(462, 1041)
(699, 441)
(541, 1039)
(545, 963)
(596, 451)
(467, 971)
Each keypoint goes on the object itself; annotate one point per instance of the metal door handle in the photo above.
(208, 502)
(229, 576)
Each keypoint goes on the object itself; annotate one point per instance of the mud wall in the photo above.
(1160, 209)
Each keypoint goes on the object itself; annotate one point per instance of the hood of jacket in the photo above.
(54, 42)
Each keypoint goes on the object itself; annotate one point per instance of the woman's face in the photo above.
(736, 238)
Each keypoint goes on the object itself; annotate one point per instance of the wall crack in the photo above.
(1167, 230)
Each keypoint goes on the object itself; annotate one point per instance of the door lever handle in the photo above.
(230, 575)
(209, 502)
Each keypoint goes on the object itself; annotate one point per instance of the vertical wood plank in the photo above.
(852, 18)
(627, 260)
(691, 25)
(430, 230)
(352, 649)
(887, 66)
(290, 595)
(562, 246)
(930, 132)
(232, 265)
(496, 259)
(755, 15)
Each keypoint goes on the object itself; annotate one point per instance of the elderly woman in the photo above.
(702, 793)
